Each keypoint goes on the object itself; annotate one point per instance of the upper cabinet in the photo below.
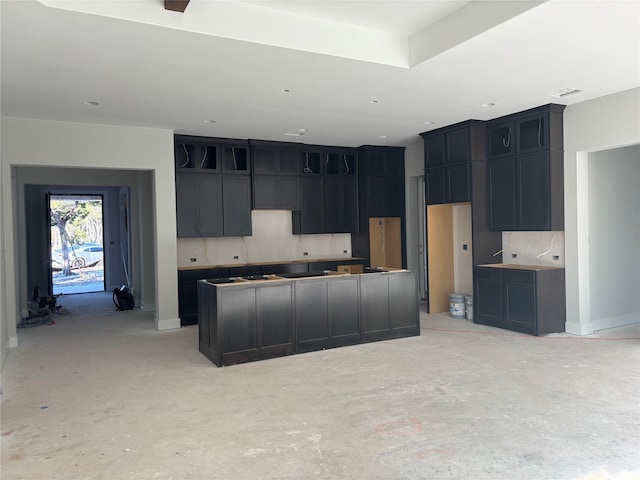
(213, 187)
(525, 170)
(448, 153)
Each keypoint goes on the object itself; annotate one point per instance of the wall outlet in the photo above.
(305, 253)
(344, 251)
(465, 246)
(556, 257)
(514, 255)
(235, 257)
(193, 259)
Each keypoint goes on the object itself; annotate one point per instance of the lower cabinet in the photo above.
(245, 323)
(326, 313)
(527, 301)
(388, 306)
(188, 291)
(258, 320)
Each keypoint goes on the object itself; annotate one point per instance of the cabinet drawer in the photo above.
(519, 276)
(489, 273)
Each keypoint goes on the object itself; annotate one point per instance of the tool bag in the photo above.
(123, 299)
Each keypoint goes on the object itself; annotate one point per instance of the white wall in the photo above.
(604, 123)
(614, 234)
(271, 240)
(27, 142)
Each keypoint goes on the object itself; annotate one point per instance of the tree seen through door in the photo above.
(77, 253)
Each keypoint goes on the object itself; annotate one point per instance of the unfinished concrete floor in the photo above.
(102, 395)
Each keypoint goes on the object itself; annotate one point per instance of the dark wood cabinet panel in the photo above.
(210, 200)
(434, 150)
(199, 205)
(458, 183)
(187, 205)
(502, 194)
(526, 301)
(341, 204)
(311, 313)
(237, 312)
(533, 190)
(236, 205)
(196, 156)
(310, 218)
(457, 142)
(281, 159)
(235, 158)
(274, 315)
(532, 133)
(502, 139)
(343, 311)
(275, 192)
(435, 183)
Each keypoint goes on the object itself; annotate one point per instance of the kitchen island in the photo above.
(265, 316)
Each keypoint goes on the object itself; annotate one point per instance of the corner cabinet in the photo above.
(520, 298)
(525, 170)
(213, 187)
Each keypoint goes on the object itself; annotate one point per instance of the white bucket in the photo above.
(468, 300)
(456, 305)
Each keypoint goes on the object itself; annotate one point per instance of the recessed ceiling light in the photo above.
(383, 136)
(91, 103)
(209, 121)
(285, 90)
(297, 134)
(565, 92)
(373, 102)
(488, 105)
(302, 130)
(429, 122)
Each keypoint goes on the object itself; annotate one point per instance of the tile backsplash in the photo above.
(271, 241)
(533, 248)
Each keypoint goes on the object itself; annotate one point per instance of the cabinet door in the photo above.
(237, 319)
(488, 297)
(343, 312)
(434, 150)
(275, 192)
(519, 306)
(341, 204)
(310, 218)
(502, 194)
(533, 133)
(458, 188)
(436, 185)
(236, 205)
(533, 192)
(311, 313)
(187, 205)
(403, 304)
(210, 206)
(374, 306)
(457, 146)
(385, 196)
(235, 159)
(501, 140)
(274, 315)
(275, 160)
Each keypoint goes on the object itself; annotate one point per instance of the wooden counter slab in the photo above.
(283, 262)
(514, 266)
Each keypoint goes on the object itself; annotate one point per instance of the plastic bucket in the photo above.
(456, 305)
(468, 300)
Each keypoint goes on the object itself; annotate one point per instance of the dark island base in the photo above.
(266, 319)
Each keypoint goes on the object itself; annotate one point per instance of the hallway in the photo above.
(101, 394)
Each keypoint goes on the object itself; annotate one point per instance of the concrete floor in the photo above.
(102, 395)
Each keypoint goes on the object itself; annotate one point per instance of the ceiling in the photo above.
(324, 72)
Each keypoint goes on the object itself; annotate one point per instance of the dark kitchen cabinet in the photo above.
(235, 158)
(381, 194)
(341, 191)
(244, 323)
(311, 161)
(326, 313)
(188, 291)
(448, 154)
(448, 184)
(310, 217)
(526, 170)
(523, 299)
(236, 204)
(275, 192)
(275, 158)
(388, 307)
(196, 155)
(199, 205)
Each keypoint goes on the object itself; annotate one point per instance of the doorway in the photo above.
(76, 243)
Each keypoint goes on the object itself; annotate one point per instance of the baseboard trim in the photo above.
(617, 321)
(13, 342)
(167, 323)
(578, 328)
